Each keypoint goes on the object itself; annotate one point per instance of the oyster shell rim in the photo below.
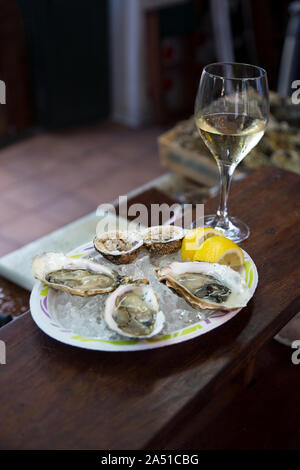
(194, 301)
(110, 303)
(72, 264)
(119, 256)
(163, 247)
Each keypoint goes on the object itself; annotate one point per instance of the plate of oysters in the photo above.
(136, 290)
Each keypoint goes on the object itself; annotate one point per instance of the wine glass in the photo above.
(231, 113)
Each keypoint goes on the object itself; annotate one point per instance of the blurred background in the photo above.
(96, 99)
(136, 62)
(92, 85)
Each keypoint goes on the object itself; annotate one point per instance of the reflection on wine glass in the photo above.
(231, 113)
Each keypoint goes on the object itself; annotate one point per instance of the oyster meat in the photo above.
(77, 276)
(119, 247)
(206, 285)
(163, 239)
(133, 310)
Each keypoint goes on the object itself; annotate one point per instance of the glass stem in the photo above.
(226, 172)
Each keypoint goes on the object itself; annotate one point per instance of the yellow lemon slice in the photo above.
(194, 239)
(220, 250)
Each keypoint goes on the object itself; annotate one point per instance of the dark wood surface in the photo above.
(265, 415)
(55, 396)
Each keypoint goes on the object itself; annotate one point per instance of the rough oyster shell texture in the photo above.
(206, 285)
(163, 239)
(133, 310)
(119, 247)
(77, 276)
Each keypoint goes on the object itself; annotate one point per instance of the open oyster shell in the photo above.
(133, 310)
(163, 239)
(119, 247)
(77, 276)
(206, 285)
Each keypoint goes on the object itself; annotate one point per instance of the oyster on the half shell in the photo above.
(119, 247)
(206, 285)
(77, 276)
(163, 239)
(133, 310)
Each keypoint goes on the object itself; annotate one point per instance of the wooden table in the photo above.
(55, 396)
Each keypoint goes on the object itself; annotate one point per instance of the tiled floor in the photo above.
(53, 178)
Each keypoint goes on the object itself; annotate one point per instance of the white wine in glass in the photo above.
(229, 137)
(231, 114)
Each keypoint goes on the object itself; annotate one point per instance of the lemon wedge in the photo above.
(194, 239)
(220, 250)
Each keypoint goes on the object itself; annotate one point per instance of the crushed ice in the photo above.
(83, 316)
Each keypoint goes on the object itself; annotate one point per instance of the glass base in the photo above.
(235, 229)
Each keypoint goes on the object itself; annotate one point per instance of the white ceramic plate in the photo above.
(40, 300)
